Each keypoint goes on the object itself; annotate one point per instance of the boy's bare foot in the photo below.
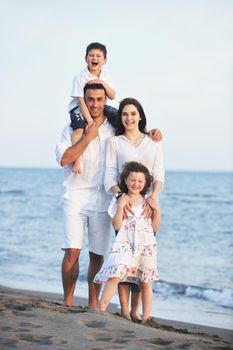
(76, 168)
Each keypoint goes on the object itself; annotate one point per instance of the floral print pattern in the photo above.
(133, 254)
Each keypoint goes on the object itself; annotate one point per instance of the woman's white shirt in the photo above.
(121, 150)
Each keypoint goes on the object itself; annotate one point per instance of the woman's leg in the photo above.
(124, 291)
(147, 297)
(108, 293)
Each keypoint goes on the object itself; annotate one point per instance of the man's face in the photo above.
(95, 102)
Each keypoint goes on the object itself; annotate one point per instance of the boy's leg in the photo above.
(78, 125)
(111, 113)
(147, 297)
(135, 303)
(108, 293)
(124, 292)
(75, 137)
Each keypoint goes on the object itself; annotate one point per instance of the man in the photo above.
(85, 201)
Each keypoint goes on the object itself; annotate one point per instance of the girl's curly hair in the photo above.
(137, 168)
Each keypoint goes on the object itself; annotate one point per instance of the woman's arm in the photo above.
(156, 218)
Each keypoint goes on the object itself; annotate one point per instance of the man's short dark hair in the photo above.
(96, 46)
(93, 86)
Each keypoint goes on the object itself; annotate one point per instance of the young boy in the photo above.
(96, 57)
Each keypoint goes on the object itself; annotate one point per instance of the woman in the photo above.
(132, 143)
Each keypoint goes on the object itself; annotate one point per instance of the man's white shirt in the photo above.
(86, 190)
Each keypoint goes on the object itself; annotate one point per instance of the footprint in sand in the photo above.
(41, 339)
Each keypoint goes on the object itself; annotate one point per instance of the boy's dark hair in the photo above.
(96, 46)
(120, 129)
(93, 86)
(137, 168)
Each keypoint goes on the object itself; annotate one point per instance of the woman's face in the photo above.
(130, 117)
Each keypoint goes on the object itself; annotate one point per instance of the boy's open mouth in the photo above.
(95, 63)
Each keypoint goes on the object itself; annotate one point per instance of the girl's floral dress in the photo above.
(133, 255)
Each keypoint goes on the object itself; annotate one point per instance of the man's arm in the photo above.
(75, 151)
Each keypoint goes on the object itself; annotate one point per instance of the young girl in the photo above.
(132, 257)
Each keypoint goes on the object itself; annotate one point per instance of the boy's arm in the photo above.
(75, 151)
(111, 93)
(84, 110)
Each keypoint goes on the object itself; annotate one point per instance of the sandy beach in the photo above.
(30, 320)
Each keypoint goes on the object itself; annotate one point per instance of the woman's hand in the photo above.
(153, 202)
(156, 135)
(147, 211)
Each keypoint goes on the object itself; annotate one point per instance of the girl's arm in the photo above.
(119, 216)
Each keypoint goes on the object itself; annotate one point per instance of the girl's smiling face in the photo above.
(135, 182)
(130, 117)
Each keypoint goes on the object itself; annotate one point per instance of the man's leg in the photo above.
(95, 264)
(70, 271)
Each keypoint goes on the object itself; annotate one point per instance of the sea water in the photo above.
(195, 243)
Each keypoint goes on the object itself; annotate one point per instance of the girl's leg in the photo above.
(147, 297)
(136, 297)
(124, 291)
(108, 293)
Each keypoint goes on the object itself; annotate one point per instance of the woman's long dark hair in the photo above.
(120, 129)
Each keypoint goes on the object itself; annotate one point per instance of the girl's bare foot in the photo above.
(135, 318)
(126, 315)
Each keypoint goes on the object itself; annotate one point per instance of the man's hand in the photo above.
(156, 135)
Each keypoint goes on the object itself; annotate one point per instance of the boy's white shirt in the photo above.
(80, 80)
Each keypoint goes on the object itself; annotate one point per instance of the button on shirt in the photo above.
(86, 190)
(81, 80)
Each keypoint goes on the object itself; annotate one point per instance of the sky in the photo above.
(174, 56)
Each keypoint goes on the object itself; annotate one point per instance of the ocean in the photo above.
(195, 243)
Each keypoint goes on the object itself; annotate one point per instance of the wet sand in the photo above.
(36, 320)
